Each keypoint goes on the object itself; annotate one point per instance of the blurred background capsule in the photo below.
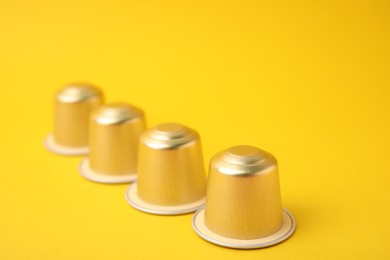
(114, 138)
(73, 106)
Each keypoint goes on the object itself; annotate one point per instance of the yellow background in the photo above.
(305, 80)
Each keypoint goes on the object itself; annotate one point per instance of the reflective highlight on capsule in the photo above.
(171, 177)
(114, 139)
(243, 204)
(73, 106)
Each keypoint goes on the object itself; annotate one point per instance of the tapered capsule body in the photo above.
(171, 178)
(114, 138)
(243, 203)
(73, 106)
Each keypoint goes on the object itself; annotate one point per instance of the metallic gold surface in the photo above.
(243, 194)
(114, 138)
(243, 200)
(170, 171)
(279, 236)
(73, 106)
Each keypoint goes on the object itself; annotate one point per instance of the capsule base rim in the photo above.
(86, 171)
(56, 148)
(134, 200)
(281, 235)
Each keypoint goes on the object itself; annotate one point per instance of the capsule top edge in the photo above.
(243, 160)
(78, 92)
(116, 113)
(168, 136)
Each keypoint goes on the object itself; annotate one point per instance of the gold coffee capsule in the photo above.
(73, 105)
(171, 177)
(243, 205)
(114, 138)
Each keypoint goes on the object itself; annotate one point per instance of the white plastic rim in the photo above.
(282, 234)
(133, 199)
(86, 171)
(56, 148)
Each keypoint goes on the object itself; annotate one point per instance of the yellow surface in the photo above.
(306, 81)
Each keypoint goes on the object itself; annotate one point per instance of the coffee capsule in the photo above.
(243, 203)
(171, 177)
(73, 106)
(114, 138)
